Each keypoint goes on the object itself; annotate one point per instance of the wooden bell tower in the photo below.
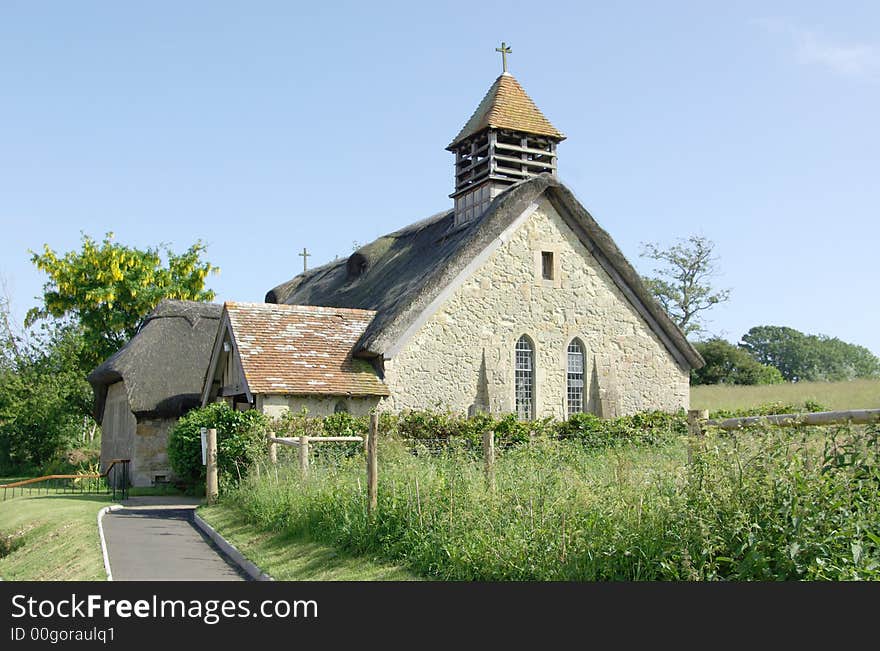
(506, 140)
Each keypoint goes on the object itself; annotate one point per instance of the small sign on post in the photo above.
(204, 433)
(211, 488)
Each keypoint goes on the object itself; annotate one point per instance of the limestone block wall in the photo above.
(151, 451)
(117, 427)
(463, 356)
(275, 406)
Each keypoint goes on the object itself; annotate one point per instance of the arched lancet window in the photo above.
(575, 377)
(525, 379)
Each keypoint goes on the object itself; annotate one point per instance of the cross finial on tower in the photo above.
(305, 256)
(505, 50)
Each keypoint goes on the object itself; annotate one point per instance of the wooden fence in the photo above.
(698, 420)
(303, 443)
(698, 423)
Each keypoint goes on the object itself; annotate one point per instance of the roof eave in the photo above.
(393, 336)
(558, 136)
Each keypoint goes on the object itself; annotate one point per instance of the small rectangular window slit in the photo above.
(547, 265)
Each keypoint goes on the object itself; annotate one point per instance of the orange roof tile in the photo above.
(302, 349)
(507, 106)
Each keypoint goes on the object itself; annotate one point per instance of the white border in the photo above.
(101, 514)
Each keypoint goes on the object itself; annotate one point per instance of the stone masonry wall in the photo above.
(462, 358)
(151, 451)
(276, 406)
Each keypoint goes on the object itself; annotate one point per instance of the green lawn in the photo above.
(51, 538)
(287, 558)
(855, 394)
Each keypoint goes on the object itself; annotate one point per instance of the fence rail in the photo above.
(852, 416)
(698, 422)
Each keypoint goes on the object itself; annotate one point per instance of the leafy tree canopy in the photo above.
(803, 357)
(728, 364)
(108, 288)
(682, 280)
(43, 394)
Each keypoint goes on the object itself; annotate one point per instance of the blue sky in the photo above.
(263, 127)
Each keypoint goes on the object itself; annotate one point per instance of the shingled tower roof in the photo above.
(507, 106)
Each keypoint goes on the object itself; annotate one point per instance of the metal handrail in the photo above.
(104, 475)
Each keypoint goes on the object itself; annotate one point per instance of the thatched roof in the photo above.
(164, 364)
(401, 273)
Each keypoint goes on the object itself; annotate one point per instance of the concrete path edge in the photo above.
(229, 549)
(101, 514)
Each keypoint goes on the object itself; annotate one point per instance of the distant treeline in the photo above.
(775, 354)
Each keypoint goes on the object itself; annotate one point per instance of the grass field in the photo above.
(295, 558)
(51, 538)
(855, 394)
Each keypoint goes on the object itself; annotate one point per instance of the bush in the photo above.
(770, 409)
(655, 427)
(240, 441)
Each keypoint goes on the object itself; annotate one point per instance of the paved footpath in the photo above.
(154, 539)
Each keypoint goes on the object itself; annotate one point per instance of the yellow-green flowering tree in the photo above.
(109, 288)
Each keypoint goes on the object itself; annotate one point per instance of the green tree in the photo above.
(782, 347)
(108, 288)
(43, 395)
(803, 357)
(682, 280)
(728, 364)
(839, 360)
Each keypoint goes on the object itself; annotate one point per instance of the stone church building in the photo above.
(513, 300)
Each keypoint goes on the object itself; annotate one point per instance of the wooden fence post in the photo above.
(273, 449)
(372, 464)
(696, 421)
(304, 456)
(211, 487)
(489, 458)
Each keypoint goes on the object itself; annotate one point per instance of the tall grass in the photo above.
(764, 505)
(854, 394)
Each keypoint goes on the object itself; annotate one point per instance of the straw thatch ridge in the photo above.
(164, 364)
(404, 271)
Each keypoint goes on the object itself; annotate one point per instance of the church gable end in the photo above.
(542, 283)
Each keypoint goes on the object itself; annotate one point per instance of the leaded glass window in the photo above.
(575, 375)
(525, 379)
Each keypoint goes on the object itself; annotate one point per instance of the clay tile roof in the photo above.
(302, 349)
(507, 106)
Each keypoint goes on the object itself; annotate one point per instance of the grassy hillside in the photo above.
(51, 538)
(856, 394)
